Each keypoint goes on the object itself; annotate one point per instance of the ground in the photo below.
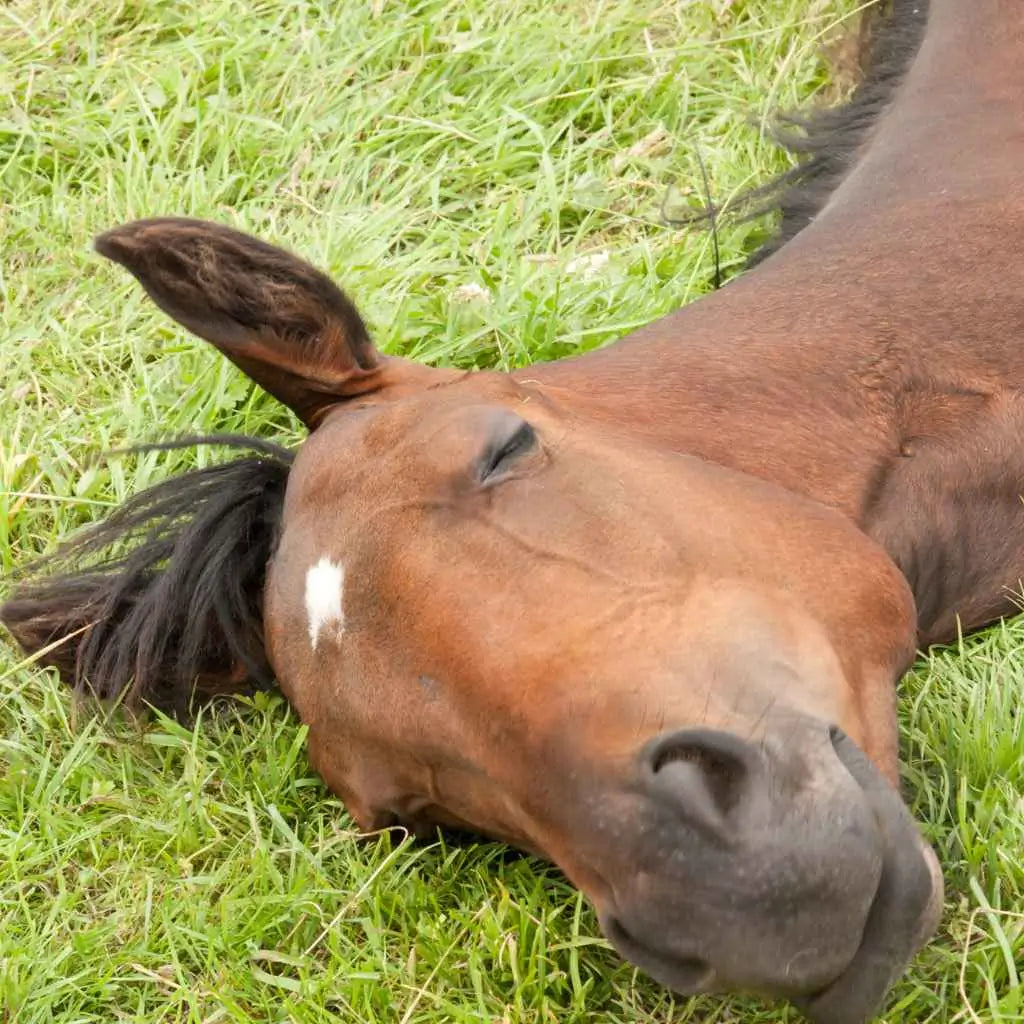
(487, 180)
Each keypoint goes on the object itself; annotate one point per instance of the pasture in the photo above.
(487, 181)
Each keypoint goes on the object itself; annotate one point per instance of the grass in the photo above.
(154, 873)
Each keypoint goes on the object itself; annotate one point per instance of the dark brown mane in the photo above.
(163, 600)
(826, 142)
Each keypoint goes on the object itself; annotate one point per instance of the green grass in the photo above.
(153, 873)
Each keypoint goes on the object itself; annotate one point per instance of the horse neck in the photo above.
(756, 377)
(795, 371)
(954, 128)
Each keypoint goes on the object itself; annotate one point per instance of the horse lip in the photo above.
(687, 977)
(903, 914)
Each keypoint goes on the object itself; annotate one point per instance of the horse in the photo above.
(642, 611)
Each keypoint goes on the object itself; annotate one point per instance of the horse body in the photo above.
(640, 611)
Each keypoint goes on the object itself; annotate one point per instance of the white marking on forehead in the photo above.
(325, 583)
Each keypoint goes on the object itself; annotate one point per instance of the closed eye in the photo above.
(502, 451)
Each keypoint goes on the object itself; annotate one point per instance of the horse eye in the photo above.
(502, 451)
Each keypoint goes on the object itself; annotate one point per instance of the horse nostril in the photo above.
(704, 773)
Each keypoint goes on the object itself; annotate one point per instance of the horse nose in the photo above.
(704, 777)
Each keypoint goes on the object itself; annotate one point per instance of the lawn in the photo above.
(487, 181)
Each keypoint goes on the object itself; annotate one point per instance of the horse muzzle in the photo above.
(789, 868)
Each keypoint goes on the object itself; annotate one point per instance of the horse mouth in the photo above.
(857, 994)
(903, 915)
(686, 975)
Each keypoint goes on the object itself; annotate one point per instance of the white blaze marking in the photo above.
(324, 584)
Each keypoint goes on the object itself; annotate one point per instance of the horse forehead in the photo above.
(371, 447)
(373, 433)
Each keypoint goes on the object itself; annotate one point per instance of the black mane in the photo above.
(162, 601)
(828, 141)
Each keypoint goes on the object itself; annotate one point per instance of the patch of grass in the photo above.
(153, 873)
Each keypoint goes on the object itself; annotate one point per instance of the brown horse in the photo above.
(643, 611)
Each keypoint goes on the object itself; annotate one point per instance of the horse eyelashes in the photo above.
(499, 456)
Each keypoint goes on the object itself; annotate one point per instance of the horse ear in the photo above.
(285, 324)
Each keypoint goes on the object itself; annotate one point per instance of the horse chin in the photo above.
(903, 916)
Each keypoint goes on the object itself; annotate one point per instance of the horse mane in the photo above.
(827, 142)
(162, 602)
